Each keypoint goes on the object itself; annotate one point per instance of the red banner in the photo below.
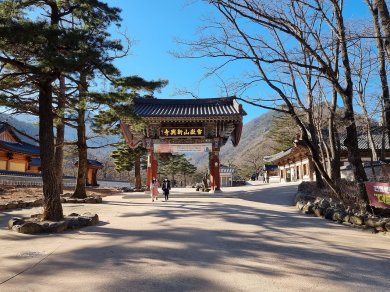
(378, 194)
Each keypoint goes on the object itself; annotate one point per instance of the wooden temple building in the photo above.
(15, 154)
(296, 164)
(18, 156)
(185, 125)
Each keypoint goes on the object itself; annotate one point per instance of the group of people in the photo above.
(166, 186)
(265, 176)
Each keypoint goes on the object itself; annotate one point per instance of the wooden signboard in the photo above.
(174, 132)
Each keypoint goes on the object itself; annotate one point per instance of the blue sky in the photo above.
(153, 25)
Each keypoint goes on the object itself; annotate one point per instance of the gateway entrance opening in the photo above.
(185, 125)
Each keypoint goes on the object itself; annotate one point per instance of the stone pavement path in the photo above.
(252, 240)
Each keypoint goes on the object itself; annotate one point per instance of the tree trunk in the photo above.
(137, 172)
(371, 143)
(380, 43)
(383, 136)
(334, 141)
(351, 141)
(334, 145)
(315, 143)
(52, 208)
(60, 138)
(80, 191)
(385, 18)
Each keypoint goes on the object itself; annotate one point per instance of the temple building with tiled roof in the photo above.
(15, 154)
(18, 156)
(92, 168)
(295, 163)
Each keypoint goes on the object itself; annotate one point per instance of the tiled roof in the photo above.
(4, 126)
(362, 144)
(377, 137)
(278, 155)
(23, 148)
(225, 169)
(151, 107)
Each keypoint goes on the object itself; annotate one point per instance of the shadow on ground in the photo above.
(256, 237)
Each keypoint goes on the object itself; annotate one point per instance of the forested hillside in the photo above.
(256, 142)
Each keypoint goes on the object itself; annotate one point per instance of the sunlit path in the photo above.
(248, 241)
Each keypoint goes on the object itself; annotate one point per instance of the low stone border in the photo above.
(326, 208)
(34, 225)
(87, 200)
(21, 204)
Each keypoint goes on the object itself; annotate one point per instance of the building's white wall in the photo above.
(226, 179)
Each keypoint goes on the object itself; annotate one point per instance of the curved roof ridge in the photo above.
(182, 101)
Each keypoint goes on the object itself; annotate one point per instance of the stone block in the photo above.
(328, 214)
(92, 219)
(15, 221)
(30, 228)
(371, 221)
(387, 226)
(319, 212)
(90, 200)
(356, 220)
(70, 200)
(300, 205)
(56, 227)
(347, 218)
(324, 204)
(73, 215)
(338, 215)
(307, 209)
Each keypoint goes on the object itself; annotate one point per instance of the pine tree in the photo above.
(127, 159)
(36, 51)
(174, 164)
(120, 106)
(283, 132)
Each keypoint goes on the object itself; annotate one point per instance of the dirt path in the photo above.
(252, 241)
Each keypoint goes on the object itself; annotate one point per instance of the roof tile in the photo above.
(186, 107)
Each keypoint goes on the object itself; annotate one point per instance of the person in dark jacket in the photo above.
(166, 186)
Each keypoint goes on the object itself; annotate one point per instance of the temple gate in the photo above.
(185, 125)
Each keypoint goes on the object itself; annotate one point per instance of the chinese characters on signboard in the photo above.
(170, 132)
(378, 194)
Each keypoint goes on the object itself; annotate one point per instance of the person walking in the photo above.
(166, 186)
(154, 189)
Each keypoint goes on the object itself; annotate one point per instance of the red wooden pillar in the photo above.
(149, 172)
(217, 175)
(215, 178)
(154, 167)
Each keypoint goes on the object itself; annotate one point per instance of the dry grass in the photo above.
(9, 194)
(349, 193)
